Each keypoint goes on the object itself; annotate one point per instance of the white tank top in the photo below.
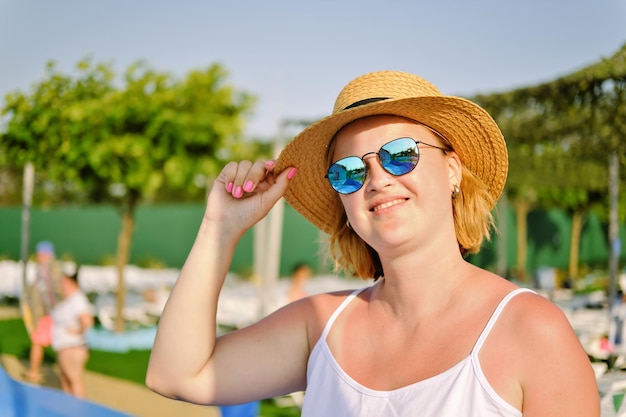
(461, 390)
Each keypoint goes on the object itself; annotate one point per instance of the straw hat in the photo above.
(471, 131)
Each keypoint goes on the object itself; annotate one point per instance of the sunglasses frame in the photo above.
(417, 150)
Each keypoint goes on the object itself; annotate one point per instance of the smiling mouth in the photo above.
(387, 204)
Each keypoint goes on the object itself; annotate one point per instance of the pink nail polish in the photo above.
(270, 163)
(292, 173)
(248, 186)
(229, 187)
(238, 192)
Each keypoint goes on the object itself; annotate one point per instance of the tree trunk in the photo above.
(522, 208)
(502, 262)
(123, 255)
(574, 249)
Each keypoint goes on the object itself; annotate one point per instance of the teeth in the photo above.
(387, 204)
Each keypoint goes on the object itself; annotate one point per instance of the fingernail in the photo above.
(229, 187)
(248, 186)
(292, 173)
(238, 192)
(270, 163)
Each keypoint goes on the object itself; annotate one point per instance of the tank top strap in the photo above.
(494, 317)
(338, 311)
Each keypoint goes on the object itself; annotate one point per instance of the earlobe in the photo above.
(455, 192)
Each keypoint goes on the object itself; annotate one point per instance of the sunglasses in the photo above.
(397, 157)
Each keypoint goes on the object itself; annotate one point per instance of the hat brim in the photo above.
(471, 131)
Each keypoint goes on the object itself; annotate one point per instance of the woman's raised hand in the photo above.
(244, 193)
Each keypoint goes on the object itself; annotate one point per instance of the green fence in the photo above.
(164, 234)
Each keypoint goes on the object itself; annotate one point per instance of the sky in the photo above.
(295, 56)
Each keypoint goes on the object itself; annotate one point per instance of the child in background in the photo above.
(72, 317)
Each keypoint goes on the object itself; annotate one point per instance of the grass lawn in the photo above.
(130, 366)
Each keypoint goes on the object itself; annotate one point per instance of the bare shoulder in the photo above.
(333, 298)
(543, 354)
(324, 304)
(318, 308)
(527, 313)
(534, 316)
(527, 307)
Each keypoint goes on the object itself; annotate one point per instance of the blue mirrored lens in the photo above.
(347, 175)
(399, 156)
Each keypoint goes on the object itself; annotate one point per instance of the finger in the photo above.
(228, 174)
(235, 187)
(256, 175)
(243, 177)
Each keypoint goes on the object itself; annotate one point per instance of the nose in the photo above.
(377, 178)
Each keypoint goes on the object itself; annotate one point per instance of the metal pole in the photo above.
(260, 262)
(272, 249)
(268, 243)
(614, 244)
(614, 240)
(27, 198)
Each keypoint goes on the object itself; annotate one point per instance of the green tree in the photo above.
(94, 138)
(559, 135)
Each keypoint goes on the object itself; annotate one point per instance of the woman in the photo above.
(41, 296)
(72, 317)
(403, 180)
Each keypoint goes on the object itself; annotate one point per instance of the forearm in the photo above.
(187, 328)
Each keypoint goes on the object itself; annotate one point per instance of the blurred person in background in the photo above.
(41, 296)
(72, 317)
(300, 275)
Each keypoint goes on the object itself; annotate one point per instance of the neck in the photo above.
(422, 285)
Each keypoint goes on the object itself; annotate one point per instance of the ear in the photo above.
(455, 170)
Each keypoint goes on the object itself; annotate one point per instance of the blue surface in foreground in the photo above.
(243, 410)
(22, 400)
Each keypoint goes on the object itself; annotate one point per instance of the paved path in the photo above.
(9, 312)
(134, 399)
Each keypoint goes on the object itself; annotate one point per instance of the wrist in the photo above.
(220, 232)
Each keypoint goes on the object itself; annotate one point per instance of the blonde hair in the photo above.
(473, 223)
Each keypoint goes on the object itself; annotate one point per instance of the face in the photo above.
(44, 257)
(302, 273)
(389, 211)
(68, 286)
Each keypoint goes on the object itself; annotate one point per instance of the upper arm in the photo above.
(556, 376)
(263, 360)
